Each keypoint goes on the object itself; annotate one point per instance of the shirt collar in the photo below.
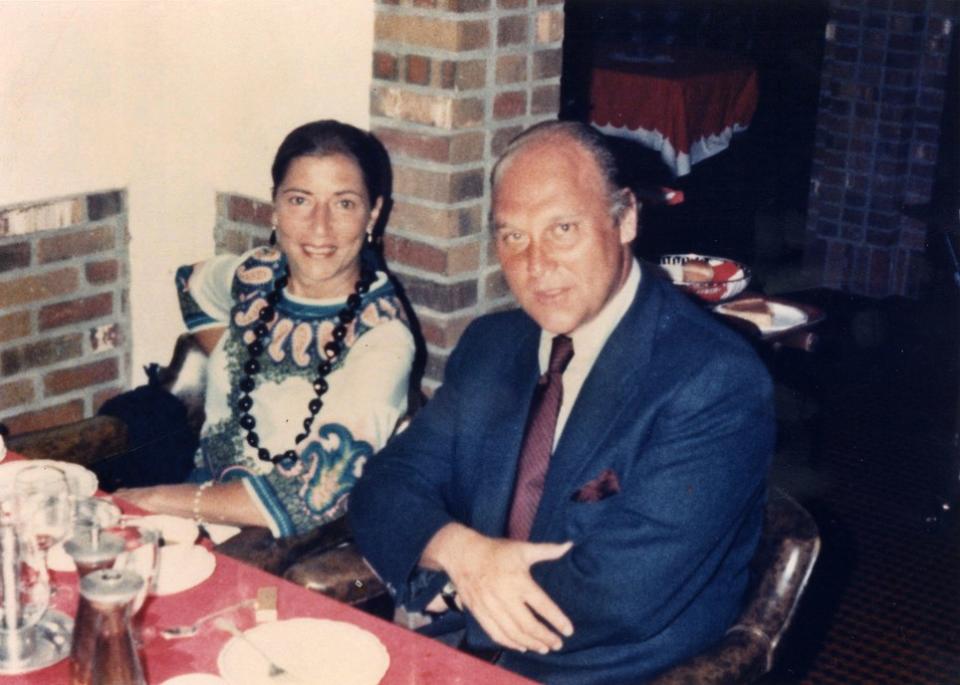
(590, 338)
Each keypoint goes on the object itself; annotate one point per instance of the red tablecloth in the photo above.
(685, 104)
(414, 659)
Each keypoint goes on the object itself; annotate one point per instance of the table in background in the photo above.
(414, 659)
(686, 104)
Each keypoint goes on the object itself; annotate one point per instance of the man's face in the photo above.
(563, 254)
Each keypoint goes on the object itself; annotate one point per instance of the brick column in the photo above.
(64, 317)
(881, 101)
(453, 82)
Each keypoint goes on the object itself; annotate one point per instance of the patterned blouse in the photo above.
(367, 392)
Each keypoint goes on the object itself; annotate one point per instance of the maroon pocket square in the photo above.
(601, 487)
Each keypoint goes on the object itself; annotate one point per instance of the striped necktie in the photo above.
(538, 441)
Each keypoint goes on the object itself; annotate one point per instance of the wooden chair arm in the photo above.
(343, 574)
(255, 545)
(738, 658)
(83, 442)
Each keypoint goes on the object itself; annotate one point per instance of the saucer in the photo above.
(182, 567)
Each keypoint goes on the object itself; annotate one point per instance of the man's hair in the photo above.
(594, 142)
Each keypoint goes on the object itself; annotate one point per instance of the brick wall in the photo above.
(881, 102)
(64, 318)
(242, 223)
(453, 82)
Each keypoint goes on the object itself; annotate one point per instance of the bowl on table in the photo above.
(712, 279)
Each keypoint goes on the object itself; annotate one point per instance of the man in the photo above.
(625, 550)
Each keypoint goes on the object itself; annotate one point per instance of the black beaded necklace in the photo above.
(331, 351)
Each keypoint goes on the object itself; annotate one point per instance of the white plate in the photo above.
(81, 481)
(785, 317)
(173, 529)
(195, 679)
(183, 567)
(314, 650)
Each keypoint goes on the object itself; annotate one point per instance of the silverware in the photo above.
(189, 630)
(274, 671)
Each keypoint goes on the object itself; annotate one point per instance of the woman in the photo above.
(310, 351)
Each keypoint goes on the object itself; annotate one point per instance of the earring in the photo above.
(369, 237)
(273, 236)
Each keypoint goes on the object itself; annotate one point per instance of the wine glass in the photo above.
(90, 545)
(44, 505)
(93, 514)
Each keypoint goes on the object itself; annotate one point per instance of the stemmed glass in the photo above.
(44, 505)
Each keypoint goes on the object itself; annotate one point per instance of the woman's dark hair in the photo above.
(329, 137)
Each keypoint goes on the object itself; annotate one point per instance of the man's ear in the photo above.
(628, 216)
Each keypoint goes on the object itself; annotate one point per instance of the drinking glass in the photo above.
(44, 505)
(24, 594)
(142, 554)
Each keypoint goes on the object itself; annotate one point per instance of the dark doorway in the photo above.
(749, 201)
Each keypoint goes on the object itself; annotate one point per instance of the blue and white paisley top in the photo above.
(367, 388)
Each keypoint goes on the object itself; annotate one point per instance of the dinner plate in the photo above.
(313, 650)
(785, 317)
(182, 567)
(81, 481)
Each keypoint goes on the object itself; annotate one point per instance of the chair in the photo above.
(343, 575)
(782, 564)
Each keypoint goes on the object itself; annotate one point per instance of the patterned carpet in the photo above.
(868, 448)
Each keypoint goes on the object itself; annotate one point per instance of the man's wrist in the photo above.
(442, 548)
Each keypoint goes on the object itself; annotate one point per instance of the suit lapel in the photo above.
(616, 376)
(504, 433)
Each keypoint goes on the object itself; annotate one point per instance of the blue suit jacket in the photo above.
(678, 406)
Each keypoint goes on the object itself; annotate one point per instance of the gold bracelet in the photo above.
(197, 494)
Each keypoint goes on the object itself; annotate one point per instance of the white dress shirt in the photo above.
(588, 340)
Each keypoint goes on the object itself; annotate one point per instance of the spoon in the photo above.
(189, 630)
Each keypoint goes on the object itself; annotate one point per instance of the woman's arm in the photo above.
(220, 503)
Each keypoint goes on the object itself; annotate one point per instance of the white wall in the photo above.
(173, 101)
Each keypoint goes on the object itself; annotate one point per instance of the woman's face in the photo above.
(323, 214)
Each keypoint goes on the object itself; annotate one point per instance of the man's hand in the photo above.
(493, 581)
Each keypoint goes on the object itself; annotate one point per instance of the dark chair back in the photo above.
(782, 565)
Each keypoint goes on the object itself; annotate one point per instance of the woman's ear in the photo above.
(375, 213)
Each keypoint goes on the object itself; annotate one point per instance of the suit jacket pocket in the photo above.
(605, 485)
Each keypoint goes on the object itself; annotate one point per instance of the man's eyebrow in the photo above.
(294, 189)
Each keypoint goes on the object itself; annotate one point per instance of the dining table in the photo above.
(413, 658)
(685, 103)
